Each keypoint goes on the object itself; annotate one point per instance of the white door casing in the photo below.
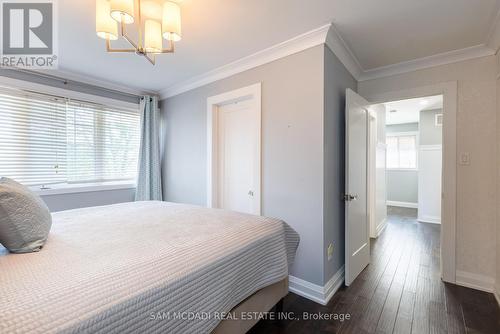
(449, 90)
(234, 150)
(372, 176)
(357, 235)
(377, 210)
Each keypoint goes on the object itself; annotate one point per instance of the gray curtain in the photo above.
(149, 176)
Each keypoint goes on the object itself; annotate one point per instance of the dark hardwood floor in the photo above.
(399, 292)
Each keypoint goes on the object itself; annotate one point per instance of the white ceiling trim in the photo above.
(493, 40)
(299, 43)
(330, 36)
(339, 47)
(426, 62)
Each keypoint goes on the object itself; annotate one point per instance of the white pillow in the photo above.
(25, 220)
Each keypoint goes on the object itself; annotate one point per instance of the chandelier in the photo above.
(154, 20)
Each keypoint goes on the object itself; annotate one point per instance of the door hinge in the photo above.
(349, 197)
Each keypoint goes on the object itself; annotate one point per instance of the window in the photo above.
(47, 140)
(401, 151)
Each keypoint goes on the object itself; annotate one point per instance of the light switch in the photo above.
(464, 158)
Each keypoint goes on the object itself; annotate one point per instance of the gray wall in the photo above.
(407, 127)
(402, 185)
(86, 199)
(292, 148)
(337, 80)
(430, 134)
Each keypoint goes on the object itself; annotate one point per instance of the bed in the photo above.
(148, 267)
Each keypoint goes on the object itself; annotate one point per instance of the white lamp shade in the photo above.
(105, 26)
(153, 42)
(122, 10)
(151, 9)
(171, 24)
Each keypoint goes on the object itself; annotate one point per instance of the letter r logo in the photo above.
(27, 28)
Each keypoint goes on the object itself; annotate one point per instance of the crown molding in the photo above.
(329, 35)
(299, 43)
(493, 38)
(426, 62)
(339, 47)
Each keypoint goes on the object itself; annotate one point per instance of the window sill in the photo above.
(59, 189)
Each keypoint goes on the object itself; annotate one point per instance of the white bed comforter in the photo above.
(126, 268)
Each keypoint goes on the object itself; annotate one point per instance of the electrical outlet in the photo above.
(330, 251)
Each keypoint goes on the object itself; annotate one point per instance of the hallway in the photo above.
(399, 292)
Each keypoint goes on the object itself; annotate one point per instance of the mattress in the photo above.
(143, 267)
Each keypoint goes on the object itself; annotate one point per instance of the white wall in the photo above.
(476, 127)
(429, 183)
(430, 164)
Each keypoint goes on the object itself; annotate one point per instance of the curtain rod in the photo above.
(53, 96)
(76, 83)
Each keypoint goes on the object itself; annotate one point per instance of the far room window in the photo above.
(401, 151)
(48, 140)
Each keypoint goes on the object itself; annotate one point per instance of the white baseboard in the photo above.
(429, 219)
(317, 293)
(475, 281)
(381, 227)
(403, 204)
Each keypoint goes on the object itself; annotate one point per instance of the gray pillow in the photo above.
(25, 220)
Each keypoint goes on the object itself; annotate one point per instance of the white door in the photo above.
(238, 152)
(357, 254)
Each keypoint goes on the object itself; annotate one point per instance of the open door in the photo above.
(357, 235)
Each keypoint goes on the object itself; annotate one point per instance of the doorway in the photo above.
(428, 156)
(234, 150)
(413, 138)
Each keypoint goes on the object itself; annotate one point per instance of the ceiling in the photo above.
(217, 32)
(408, 111)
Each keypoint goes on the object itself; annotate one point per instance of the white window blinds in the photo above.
(46, 140)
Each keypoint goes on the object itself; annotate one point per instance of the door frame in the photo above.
(372, 178)
(449, 168)
(252, 92)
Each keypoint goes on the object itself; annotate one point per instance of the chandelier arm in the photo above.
(111, 50)
(151, 59)
(140, 43)
(171, 47)
(123, 33)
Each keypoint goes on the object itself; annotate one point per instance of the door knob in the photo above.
(250, 193)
